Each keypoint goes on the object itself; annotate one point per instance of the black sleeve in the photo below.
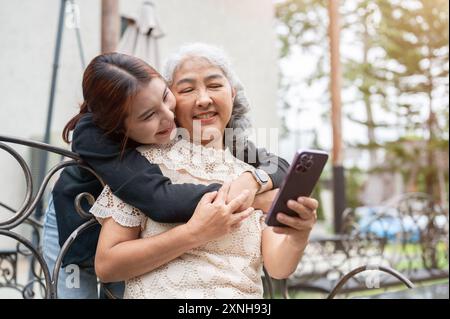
(133, 179)
(275, 166)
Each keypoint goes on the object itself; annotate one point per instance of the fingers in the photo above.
(238, 201)
(305, 207)
(239, 217)
(223, 193)
(308, 202)
(302, 211)
(295, 222)
(208, 198)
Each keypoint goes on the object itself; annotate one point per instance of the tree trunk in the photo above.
(338, 169)
(110, 25)
(335, 82)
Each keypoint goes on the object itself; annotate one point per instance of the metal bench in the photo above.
(42, 281)
(408, 237)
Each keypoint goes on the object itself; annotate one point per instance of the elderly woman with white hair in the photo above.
(217, 261)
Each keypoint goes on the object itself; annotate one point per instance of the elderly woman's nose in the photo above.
(203, 98)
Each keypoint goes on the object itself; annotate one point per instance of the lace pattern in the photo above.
(229, 267)
(108, 205)
(200, 162)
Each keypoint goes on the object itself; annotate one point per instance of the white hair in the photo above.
(217, 57)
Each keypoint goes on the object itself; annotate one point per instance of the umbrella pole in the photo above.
(57, 53)
(44, 155)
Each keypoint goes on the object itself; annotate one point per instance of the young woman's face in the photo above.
(204, 95)
(151, 119)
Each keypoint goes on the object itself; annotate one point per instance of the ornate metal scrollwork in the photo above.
(407, 235)
(41, 282)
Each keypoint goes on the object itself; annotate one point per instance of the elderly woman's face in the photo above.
(204, 96)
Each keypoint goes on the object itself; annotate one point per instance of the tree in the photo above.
(302, 25)
(401, 70)
(414, 36)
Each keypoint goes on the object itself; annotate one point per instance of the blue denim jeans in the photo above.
(74, 281)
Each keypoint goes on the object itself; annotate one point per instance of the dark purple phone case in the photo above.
(303, 175)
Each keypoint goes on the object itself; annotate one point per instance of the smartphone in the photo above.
(301, 179)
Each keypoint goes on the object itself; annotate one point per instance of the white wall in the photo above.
(28, 32)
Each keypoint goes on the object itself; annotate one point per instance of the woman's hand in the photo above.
(214, 218)
(299, 226)
(264, 200)
(245, 181)
(283, 247)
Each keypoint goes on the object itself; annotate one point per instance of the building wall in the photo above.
(28, 32)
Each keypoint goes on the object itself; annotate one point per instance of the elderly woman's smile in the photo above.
(206, 117)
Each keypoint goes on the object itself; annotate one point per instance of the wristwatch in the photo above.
(261, 177)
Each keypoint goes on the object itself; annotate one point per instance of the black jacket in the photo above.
(132, 179)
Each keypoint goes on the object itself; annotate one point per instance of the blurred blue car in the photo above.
(387, 222)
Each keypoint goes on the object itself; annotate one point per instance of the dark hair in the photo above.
(110, 82)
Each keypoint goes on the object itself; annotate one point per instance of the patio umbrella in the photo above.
(141, 35)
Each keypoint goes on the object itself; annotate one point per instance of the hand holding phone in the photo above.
(303, 175)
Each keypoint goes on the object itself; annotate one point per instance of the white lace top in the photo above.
(229, 267)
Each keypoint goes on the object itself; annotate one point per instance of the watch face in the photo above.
(262, 175)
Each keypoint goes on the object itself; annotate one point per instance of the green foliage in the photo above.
(402, 69)
(354, 180)
(301, 24)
